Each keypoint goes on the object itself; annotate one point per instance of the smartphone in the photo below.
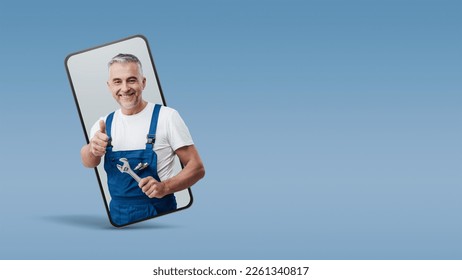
(88, 75)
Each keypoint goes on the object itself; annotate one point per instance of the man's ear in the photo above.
(144, 82)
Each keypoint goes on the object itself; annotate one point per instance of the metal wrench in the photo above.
(125, 168)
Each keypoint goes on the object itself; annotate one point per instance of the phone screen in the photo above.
(88, 75)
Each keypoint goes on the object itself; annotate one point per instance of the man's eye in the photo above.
(116, 82)
(132, 81)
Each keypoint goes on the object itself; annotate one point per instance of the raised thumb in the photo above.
(102, 126)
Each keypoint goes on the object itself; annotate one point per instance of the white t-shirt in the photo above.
(129, 132)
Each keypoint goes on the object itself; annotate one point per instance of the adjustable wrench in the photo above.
(125, 168)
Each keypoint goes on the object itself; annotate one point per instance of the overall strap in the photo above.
(108, 130)
(151, 137)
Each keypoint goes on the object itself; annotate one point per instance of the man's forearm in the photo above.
(88, 159)
(187, 177)
(192, 172)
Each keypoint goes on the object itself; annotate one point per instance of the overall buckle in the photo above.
(151, 138)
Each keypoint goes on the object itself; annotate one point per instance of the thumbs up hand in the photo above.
(100, 141)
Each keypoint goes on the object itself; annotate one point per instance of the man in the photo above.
(148, 136)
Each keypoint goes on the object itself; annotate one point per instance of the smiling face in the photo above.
(126, 84)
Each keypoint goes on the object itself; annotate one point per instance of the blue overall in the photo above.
(128, 202)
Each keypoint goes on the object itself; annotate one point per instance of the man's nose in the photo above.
(125, 87)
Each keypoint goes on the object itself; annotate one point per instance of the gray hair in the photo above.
(125, 58)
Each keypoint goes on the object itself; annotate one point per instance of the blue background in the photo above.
(329, 129)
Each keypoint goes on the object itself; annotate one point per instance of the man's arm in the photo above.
(192, 172)
(88, 158)
(91, 153)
